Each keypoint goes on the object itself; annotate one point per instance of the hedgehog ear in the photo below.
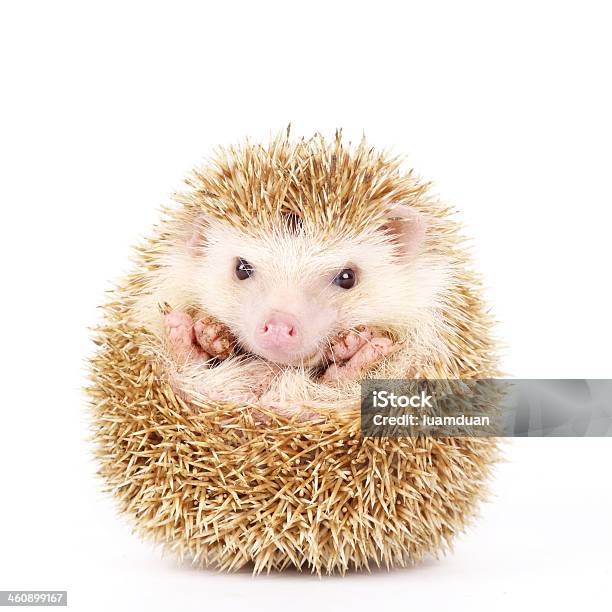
(196, 240)
(406, 228)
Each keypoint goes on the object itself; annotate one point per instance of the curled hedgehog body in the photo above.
(252, 459)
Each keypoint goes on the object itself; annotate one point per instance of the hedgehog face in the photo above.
(284, 292)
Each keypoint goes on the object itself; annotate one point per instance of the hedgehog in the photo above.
(226, 388)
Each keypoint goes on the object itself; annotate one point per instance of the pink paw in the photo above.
(353, 352)
(347, 343)
(181, 336)
(214, 337)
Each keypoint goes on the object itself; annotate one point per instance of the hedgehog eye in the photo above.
(244, 269)
(346, 278)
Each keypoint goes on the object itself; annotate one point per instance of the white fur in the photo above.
(294, 272)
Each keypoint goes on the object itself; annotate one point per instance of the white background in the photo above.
(105, 107)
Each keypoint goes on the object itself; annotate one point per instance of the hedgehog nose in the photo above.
(279, 330)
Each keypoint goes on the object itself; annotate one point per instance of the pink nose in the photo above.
(279, 331)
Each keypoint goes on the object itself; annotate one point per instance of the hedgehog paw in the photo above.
(214, 337)
(347, 343)
(353, 353)
(181, 337)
